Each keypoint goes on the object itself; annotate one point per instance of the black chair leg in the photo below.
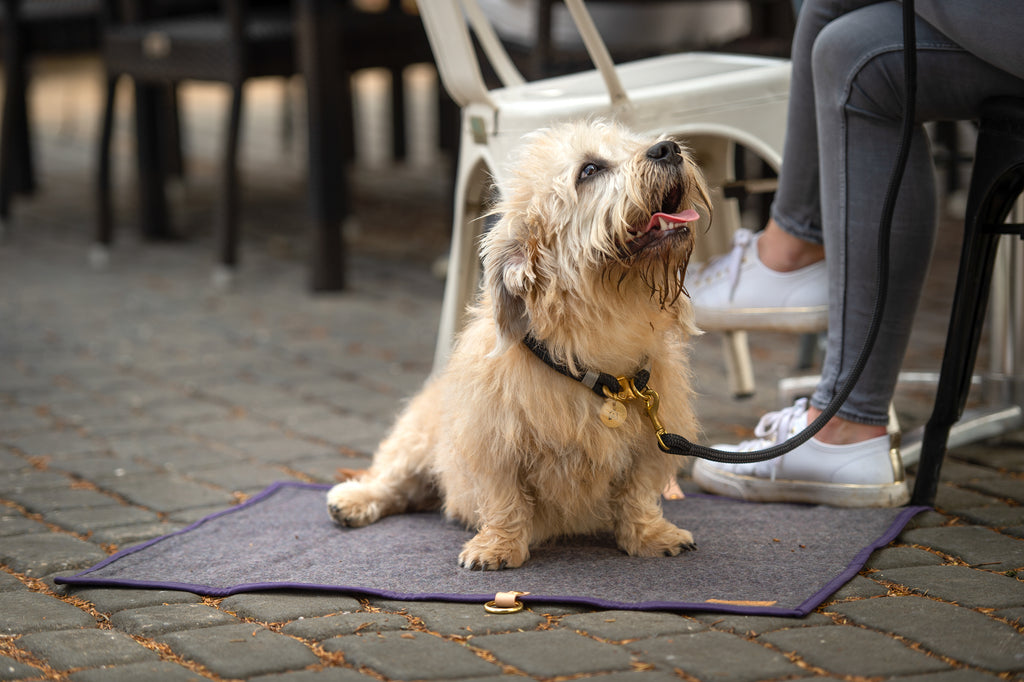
(996, 182)
(105, 214)
(399, 145)
(228, 243)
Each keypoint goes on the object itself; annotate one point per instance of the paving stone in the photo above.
(448, 618)
(85, 648)
(621, 625)
(639, 676)
(58, 444)
(410, 656)
(325, 469)
(57, 499)
(756, 625)
(853, 651)
(324, 675)
(944, 629)
(928, 519)
(13, 522)
(152, 446)
(975, 545)
(859, 587)
(233, 431)
(951, 499)
(93, 518)
(715, 656)
(281, 450)
(162, 671)
(278, 607)
(1003, 487)
(11, 669)
(40, 554)
(240, 651)
(554, 652)
(898, 557)
(23, 611)
(1014, 615)
(325, 627)
(167, 492)
(152, 621)
(994, 516)
(961, 675)
(250, 478)
(103, 466)
(968, 587)
(113, 599)
(10, 582)
(960, 472)
(10, 462)
(128, 536)
(31, 480)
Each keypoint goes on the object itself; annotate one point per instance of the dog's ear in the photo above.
(508, 276)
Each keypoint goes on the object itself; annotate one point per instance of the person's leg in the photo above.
(858, 86)
(774, 280)
(860, 101)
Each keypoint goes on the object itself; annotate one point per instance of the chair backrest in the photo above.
(448, 24)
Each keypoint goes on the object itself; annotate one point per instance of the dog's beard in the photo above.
(660, 268)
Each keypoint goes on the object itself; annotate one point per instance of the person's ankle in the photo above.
(782, 252)
(839, 431)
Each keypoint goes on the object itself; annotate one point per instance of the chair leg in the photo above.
(969, 304)
(105, 224)
(997, 181)
(228, 237)
(399, 146)
(104, 236)
(153, 213)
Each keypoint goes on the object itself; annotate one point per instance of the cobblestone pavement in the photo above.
(136, 400)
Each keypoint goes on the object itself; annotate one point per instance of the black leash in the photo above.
(625, 389)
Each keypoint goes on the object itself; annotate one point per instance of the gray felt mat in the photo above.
(776, 559)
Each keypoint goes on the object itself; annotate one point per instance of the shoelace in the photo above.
(773, 428)
(731, 261)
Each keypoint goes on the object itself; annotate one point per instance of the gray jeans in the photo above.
(846, 100)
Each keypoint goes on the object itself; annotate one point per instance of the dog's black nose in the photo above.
(665, 151)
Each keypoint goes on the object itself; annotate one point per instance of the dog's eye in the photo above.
(587, 171)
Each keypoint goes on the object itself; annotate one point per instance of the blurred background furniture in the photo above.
(158, 44)
(30, 28)
(712, 101)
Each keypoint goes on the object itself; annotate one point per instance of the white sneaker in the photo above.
(738, 291)
(866, 474)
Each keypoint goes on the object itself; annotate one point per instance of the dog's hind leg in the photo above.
(400, 478)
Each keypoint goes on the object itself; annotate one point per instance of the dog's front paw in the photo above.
(665, 539)
(488, 552)
(352, 504)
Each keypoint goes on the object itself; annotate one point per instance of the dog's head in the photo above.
(594, 218)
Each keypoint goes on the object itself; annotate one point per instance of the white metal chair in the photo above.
(712, 101)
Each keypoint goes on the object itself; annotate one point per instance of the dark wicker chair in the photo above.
(28, 28)
(159, 43)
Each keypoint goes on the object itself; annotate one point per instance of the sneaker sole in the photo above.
(755, 489)
(798, 320)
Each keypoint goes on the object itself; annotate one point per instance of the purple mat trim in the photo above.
(793, 556)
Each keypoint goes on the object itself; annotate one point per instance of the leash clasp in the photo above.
(650, 398)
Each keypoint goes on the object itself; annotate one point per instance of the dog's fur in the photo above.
(506, 444)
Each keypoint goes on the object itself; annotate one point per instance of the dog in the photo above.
(583, 273)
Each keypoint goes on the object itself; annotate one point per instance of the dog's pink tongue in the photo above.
(687, 216)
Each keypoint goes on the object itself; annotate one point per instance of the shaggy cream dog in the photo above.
(585, 268)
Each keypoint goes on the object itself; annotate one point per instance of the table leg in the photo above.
(318, 25)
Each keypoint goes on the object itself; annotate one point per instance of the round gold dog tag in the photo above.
(613, 413)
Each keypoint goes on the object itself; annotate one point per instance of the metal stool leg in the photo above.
(997, 181)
